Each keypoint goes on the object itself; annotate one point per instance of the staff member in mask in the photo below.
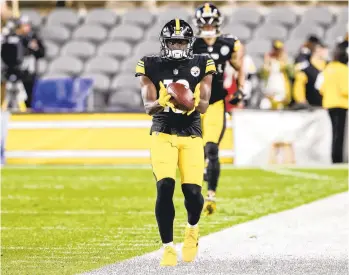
(34, 49)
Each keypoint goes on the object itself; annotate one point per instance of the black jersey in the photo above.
(189, 72)
(220, 52)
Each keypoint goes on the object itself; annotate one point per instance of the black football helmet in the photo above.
(177, 29)
(208, 15)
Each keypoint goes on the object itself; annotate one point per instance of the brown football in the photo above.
(182, 97)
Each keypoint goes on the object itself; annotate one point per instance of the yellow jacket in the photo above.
(334, 87)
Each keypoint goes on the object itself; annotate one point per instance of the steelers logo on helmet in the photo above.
(208, 20)
(177, 39)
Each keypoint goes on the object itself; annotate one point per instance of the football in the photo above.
(182, 97)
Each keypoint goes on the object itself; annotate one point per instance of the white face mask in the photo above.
(209, 34)
(177, 54)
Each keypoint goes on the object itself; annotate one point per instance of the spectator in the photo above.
(34, 49)
(307, 49)
(276, 72)
(304, 90)
(333, 84)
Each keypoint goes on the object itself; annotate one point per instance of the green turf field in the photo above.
(66, 221)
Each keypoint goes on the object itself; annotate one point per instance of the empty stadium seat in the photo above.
(115, 49)
(101, 82)
(92, 33)
(258, 61)
(42, 66)
(147, 48)
(168, 14)
(342, 16)
(129, 64)
(129, 33)
(34, 16)
(293, 46)
(104, 17)
(80, 49)
(250, 16)
(153, 33)
(269, 31)
(51, 50)
(141, 17)
(258, 47)
(57, 34)
(53, 75)
(336, 31)
(240, 31)
(304, 30)
(67, 65)
(63, 16)
(283, 16)
(102, 64)
(319, 15)
(127, 99)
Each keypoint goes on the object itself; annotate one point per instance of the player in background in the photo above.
(176, 136)
(222, 48)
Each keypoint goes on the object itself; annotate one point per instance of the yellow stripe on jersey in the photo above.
(210, 66)
(140, 67)
(207, 8)
(237, 45)
(178, 27)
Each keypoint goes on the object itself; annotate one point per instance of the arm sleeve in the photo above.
(140, 67)
(301, 80)
(210, 67)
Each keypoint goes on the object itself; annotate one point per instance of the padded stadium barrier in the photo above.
(292, 137)
(86, 139)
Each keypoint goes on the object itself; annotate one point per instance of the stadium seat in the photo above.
(154, 32)
(67, 65)
(283, 16)
(147, 48)
(126, 98)
(249, 16)
(63, 16)
(51, 50)
(101, 82)
(116, 49)
(102, 64)
(80, 49)
(335, 31)
(304, 30)
(34, 16)
(165, 15)
(140, 17)
(293, 46)
(92, 33)
(100, 16)
(271, 31)
(240, 31)
(124, 81)
(258, 47)
(129, 64)
(342, 16)
(319, 15)
(42, 66)
(129, 33)
(57, 34)
(50, 75)
(258, 61)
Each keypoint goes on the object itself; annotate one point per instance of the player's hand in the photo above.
(196, 100)
(237, 97)
(164, 97)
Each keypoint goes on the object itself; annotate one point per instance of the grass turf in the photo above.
(66, 221)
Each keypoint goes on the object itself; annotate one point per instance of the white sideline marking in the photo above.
(310, 239)
(148, 166)
(303, 175)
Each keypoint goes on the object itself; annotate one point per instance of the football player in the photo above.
(222, 48)
(176, 138)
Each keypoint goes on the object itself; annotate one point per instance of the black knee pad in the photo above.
(165, 188)
(211, 151)
(191, 192)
